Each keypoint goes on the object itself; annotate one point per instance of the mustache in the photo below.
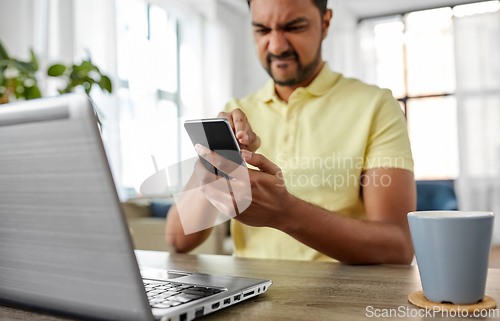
(284, 55)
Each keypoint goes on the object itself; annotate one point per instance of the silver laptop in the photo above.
(64, 243)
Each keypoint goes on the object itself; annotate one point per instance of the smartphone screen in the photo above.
(217, 135)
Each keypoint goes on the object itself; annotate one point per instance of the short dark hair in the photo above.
(321, 4)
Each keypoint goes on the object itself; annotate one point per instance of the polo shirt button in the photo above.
(287, 138)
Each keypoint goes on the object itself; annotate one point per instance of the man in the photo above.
(334, 171)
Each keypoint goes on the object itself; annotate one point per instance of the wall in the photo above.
(65, 31)
(341, 47)
(244, 74)
(248, 74)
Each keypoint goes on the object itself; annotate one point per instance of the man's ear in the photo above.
(327, 17)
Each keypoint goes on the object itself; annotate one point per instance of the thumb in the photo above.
(260, 161)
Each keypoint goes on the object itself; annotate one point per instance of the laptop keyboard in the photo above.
(163, 295)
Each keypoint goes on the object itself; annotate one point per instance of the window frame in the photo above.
(163, 95)
(407, 97)
(404, 100)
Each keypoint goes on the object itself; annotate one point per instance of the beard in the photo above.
(303, 73)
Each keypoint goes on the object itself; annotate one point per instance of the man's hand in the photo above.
(243, 131)
(383, 238)
(258, 196)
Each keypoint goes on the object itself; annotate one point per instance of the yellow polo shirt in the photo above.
(323, 139)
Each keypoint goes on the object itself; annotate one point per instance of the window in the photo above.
(413, 54)
(159, 72)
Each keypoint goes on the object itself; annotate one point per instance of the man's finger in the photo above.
(223, 201)
(223, 164)
(214, 193)
(244, 132)
(240, 126)
(254, 141)
(205, 176)
(228, 117)
(260, 161)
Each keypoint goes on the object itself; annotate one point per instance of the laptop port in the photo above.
(227, 301)
(198, 313)
(237, 297)
(183, 317)
(248, 293)
(216, 305)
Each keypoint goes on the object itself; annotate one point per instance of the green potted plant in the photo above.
(85, 74)
(17, 78)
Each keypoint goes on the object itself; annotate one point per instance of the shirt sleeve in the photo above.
(388, 143)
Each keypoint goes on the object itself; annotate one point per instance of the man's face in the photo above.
(288, 34)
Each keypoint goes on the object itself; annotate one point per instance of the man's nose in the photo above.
(278, 43)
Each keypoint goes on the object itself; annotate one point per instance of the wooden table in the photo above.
(301, 290)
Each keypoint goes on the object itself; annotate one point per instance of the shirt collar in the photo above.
(267, 93)
(325, 79)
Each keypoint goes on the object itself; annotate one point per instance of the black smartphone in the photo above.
(217, 135)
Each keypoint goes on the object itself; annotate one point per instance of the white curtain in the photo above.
(62, 31)
(477, 44)
(341, 47)
(368, 53)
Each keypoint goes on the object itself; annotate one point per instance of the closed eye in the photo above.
(295, 28)
(262, 31)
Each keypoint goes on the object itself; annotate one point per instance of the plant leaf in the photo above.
(23, 66)
(33, 92)
(2, 69)
(34, 61)
(88, 89)
(105, 84)
(74, 83)
(56, 70)
(77, 75)
(3, 53)
(87, 66)
(68, 89)
(89, 80)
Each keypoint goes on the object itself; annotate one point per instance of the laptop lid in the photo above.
(64, 243)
